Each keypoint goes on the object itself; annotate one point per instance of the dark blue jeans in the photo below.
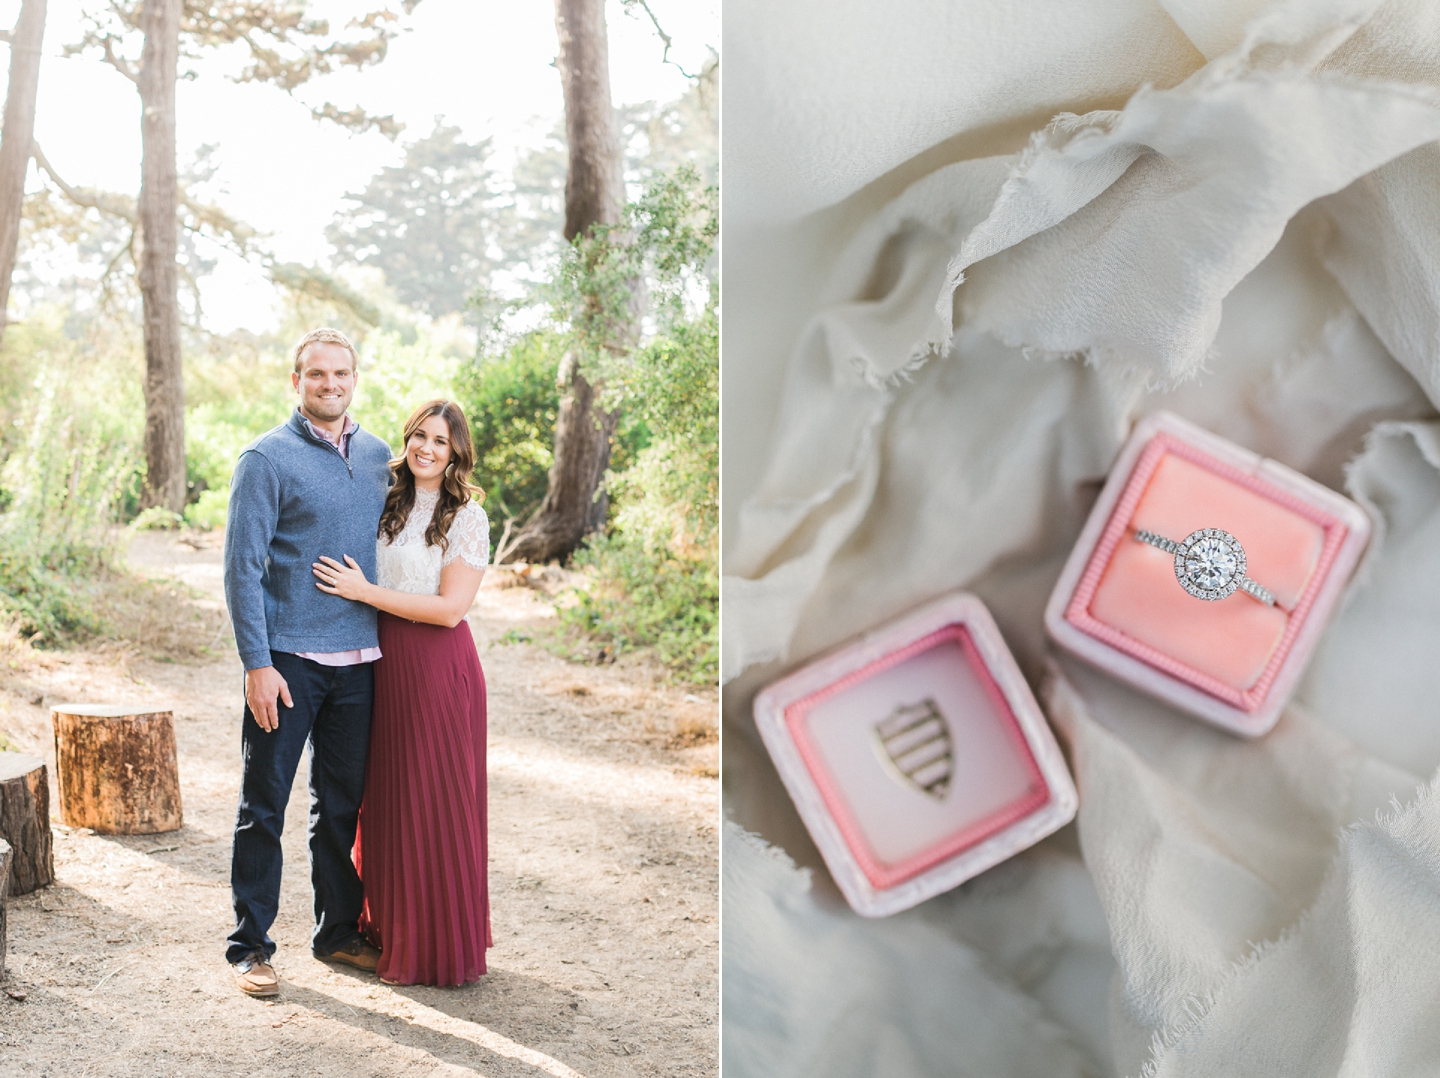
(332, 713)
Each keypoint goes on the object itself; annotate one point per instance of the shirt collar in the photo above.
(350, 428)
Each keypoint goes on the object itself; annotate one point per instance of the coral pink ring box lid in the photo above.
(916, 756)
(1233, 661)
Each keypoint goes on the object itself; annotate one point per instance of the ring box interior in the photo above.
(916, 756)
(1234, 661)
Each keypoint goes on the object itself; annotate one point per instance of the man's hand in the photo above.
(262, 686)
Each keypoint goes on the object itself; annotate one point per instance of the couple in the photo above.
(384, 672)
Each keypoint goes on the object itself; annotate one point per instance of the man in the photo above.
(314, 484)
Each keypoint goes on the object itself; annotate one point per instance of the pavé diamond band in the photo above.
(1210, 564)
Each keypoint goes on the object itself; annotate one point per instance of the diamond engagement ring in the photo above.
(1210, 564)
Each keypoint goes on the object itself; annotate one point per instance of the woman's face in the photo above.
(428, 451)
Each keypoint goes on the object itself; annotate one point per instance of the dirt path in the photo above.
(603, 877)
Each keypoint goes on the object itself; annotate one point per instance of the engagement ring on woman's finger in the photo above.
(1210, 564)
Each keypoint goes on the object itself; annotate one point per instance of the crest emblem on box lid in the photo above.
(913, 743)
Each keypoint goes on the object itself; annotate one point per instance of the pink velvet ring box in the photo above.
(916, 756)
(1232, 661)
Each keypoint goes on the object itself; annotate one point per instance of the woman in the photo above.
(422, 847)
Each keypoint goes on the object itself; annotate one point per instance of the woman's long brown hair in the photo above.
(455, 488)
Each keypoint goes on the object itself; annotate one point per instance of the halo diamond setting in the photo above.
(1209, 564)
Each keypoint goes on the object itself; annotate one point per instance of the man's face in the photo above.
(325, 381)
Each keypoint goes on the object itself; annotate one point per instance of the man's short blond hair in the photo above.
(325, 335)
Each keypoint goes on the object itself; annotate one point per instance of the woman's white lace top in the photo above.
(409, 565)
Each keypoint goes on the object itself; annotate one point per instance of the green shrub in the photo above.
(232, 399)
(208, 511)
(157, 519)
(396, 378)
(45, 604)
(65, 479)
(214, 436)
(646, 597)
(511, 401)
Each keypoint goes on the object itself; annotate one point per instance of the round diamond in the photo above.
(1210, 564)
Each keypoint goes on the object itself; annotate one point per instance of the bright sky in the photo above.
(484, 65)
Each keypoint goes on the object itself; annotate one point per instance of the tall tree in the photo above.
(156, 262)
(594, 195)
(427, 222)
(286, 48)
(18, 134)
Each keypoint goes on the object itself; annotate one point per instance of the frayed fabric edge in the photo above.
(1199, 1007)
(920, 354)
(1077, 129)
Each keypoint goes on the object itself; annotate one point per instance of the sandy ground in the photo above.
(603, 883)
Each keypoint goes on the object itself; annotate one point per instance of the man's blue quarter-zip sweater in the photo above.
(294, 497)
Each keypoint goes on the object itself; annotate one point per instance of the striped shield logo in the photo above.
(914, 745)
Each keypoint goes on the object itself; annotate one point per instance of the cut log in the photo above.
(116, 769)
(25, 821)
(6, 856)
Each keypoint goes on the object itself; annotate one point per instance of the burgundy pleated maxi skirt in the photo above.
(421, 848)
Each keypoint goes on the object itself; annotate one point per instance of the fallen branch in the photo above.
(107, 976)
(501, 549)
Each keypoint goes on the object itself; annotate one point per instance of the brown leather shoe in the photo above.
(357, 953)
(255, 976)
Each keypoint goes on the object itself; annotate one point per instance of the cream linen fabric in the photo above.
(937, 334)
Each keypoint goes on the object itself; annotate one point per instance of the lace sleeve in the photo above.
(469, 537)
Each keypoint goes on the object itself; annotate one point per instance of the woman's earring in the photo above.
(449, 469)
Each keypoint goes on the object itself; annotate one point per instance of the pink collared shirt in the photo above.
(354, 656)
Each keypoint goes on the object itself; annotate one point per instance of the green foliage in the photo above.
(670, 496)
(511, 400)
(396, 378)
(656, 574)
(68, 472)
(157, 519)
(648, 597)
(46, 605)
(234, 399)
(208, 510)
(672, 492)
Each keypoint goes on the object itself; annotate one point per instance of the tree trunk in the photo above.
(159, 244)
(116, 769)
(17, 136)
(594, 194)
(25, 821)
(6, 856)
(594, 184)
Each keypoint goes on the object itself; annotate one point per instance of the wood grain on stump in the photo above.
(116, 769)
(25, 821)
(6, 856)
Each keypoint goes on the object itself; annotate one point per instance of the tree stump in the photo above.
(6, 856)
(116, 769)
(25, 821)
